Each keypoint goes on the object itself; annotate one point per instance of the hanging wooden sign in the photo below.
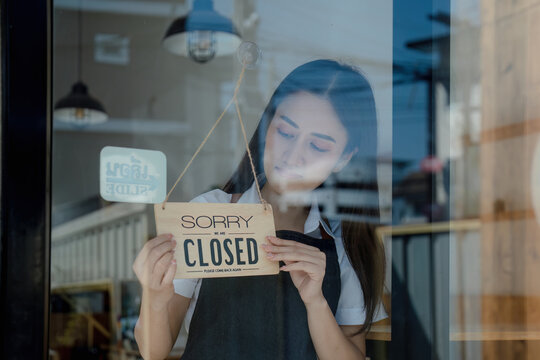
(218, 240)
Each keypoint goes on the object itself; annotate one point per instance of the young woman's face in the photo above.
(304, 143)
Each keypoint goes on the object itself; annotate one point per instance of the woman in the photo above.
(320, 119)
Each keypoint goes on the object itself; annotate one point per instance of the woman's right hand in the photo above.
(155, 268)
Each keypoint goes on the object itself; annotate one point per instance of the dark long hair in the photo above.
(352, 98)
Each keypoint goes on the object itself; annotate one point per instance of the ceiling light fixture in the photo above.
(78, 107)
(202, 34)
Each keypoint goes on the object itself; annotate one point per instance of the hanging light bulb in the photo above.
(201, 45)
(78, 107)
(202, 34)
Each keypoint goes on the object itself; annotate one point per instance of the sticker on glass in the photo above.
(132, 175)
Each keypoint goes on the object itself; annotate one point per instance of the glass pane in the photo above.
(317, 110)
(402, 132)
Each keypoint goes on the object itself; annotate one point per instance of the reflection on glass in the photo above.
(158, 101)
(78, 107)
(494, 114)
(208, 34)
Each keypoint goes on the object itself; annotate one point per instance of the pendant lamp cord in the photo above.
(79, 50)
(235, 100)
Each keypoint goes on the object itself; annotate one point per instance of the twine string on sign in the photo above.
(249, 152)
(235, 100)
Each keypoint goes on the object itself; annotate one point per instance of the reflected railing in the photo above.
(439, 308)
(423, 286)
(99, 245)
(91, 268)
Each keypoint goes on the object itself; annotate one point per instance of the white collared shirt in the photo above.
(350, 310)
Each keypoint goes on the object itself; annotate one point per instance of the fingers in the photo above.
(291, 248)
(278, 241)
(312, 257)
(291, 251)
(158, 240)
(160, 268)
(158, 251)
(314, 271)
(152, 252)
(169, 275)
(280, 245)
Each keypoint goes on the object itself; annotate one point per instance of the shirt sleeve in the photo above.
(185, 287)
(350, 310)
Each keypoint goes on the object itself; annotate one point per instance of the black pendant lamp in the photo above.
(78, 107)
(202, 34)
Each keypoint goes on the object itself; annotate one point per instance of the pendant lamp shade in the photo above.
(202, 34)
(78, 107)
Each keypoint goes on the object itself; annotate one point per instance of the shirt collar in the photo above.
(251, 196)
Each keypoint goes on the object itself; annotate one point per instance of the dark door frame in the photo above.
(25, 179)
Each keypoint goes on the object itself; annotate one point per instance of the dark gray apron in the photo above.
(259, 317)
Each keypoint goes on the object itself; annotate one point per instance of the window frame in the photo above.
(25, 179)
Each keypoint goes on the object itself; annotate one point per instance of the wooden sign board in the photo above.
(218, 240)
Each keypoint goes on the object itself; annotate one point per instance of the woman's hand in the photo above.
(306, 264)
(155, 268)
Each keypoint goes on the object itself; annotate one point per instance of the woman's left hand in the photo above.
(306, 264)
